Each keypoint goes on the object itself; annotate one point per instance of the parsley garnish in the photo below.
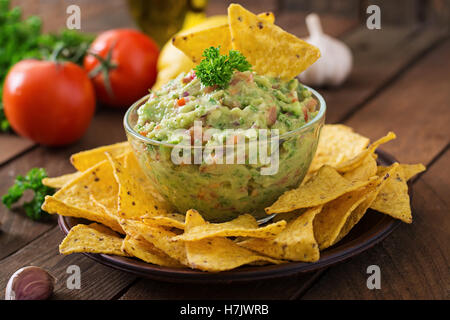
(32, 181)
(217, 69)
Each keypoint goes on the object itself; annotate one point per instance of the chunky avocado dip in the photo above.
(250, 101)
(219, 190)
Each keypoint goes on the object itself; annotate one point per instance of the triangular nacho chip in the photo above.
(393, 198)
(331, 219)
(367, 169)
(337, 143)
(243, 226)
(193, 44)
(356, 161)
(97, 182)
(296, 242)
(85, 159)
(410, 170)
(133, 200)
(263, 43)
(218, 253)
(325, 186)
(357, 213)
(170, 220)
(92, 212)
(157, 236)
(144, 250)
(59, 182)
(93, 238)
(132, 165)
(92, 195)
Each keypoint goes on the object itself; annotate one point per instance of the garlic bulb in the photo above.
(335, 64)
(29, 283)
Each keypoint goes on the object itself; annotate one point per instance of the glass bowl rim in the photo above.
(129, 129)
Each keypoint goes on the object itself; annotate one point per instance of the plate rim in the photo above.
(332, 255)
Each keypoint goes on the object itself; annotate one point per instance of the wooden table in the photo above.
(400, 82)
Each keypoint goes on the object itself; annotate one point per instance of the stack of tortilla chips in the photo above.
(131, 219)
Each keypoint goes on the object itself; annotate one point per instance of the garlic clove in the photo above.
(30, 283)
(334, 65)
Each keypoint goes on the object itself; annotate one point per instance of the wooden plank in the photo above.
(414, 260)
(282, 288)
(416, 107)
(97, 281)
(379, 56)
(12, 145)
(17, 229)
(93, 17)
(345, 8)
(294, 22)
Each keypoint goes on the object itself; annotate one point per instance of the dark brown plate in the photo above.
(372, 228)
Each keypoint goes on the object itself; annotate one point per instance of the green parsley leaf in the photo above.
(217, 69)
(32, 181)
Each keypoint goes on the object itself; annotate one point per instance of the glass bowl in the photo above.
(221, 192)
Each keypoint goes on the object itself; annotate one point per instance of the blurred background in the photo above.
(373, 59)
(100, 15)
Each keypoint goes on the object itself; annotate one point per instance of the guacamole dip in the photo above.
(250, 101)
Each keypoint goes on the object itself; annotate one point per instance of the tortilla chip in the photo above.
(410, 170)
(170, 220)
(86, 159)
(330, 221)
(218, 253)
(337, 143)
(296, 242)
(325, 186)
(144, 250)
(132, 166)
(262, 43)
(367, 169)
(157, 236)
(59, 182)
(98, 182)
(133, 200)
(393, 198)
(193, 44)
(356, 161)
(288, 216)
(92, 195)
(92, 212)
(92, 238)
(339, 216)
(243, 226)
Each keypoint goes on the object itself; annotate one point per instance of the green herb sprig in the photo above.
(217, 69)
(32, 181)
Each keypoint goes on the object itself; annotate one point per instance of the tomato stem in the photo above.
(56, 52)
(105, 65)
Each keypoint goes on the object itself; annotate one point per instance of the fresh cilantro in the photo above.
(217, 69)
(32, 181)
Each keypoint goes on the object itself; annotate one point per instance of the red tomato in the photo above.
(50, 103)
(131, 65)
